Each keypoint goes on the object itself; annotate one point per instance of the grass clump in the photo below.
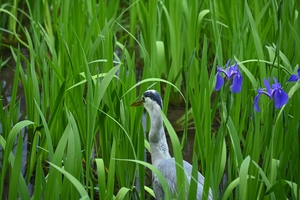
(85, 62)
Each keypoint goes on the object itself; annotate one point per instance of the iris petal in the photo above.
(256, 103)
(219, 82)
(223, 71)
(267, 84)
(293, 78)
(276, 84)
(234, 70)
(281, 98)
(237, 83)
(275, 92)
(259, 92)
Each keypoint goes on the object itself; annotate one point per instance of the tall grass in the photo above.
(81, 75)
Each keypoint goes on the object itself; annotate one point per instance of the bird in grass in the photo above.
(160, 155)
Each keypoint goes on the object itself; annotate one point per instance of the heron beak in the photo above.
(138, 102)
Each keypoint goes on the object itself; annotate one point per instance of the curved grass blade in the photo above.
(9, 144)
(281, 183)
(230, 188)
(94, 77)
(153, 80)
(243, 177)
(248, 73)
(73, 180)
(122, 193)
(15, 174)
(8, 157)
(159, 175)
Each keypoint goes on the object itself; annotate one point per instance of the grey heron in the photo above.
(160, 155)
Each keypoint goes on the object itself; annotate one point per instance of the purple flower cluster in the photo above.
(273, 91)
(230, 72)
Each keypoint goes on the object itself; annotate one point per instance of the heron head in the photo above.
(149, 99)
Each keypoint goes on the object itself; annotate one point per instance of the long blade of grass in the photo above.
(73, 161)
(102, 178)
(257, 41)
(47, 132)
(55, 179)
(9, 144)
(15, 174)
(39, 183)
(159, 175)
(181, 179)
(73, 180)
(243, 177)
(122, 193)
(111, 173)
(153, 80)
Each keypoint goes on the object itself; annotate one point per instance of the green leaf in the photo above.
(101, 177)
(9, 144)
(40, 180)
(159, 175)
(73, 180)
(243, 177)
(47, 132)
(248, 74)
(122, 193)
(232, 185)
(15, 174)
(282, 183)
(153, 80)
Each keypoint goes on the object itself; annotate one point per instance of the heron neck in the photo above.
(157, 138)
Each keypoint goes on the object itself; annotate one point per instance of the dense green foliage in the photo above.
(88, 61)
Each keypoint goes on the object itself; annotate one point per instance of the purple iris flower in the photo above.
(275, 92)
(294, 77)
(230, 72)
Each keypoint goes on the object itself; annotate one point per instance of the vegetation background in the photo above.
(70, 133)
